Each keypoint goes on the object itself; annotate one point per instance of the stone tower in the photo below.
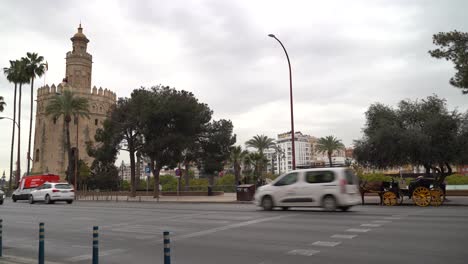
(50, 155)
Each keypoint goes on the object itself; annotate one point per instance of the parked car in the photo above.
(2, 197)
(330, 188)
(51, 192)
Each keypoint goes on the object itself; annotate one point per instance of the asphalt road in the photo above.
(236, 233)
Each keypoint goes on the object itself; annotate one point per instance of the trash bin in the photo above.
(245, 192)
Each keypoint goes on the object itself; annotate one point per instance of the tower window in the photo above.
(36, 158)
(96, 122)
(55, 120)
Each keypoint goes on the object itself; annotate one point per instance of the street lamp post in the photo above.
(291, 102)
(11, 156)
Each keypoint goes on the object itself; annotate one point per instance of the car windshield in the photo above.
(63, 186)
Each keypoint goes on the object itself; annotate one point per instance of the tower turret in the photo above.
(79, 62)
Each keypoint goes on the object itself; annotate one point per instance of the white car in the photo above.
(50, 192)
(2, 196)
(330, 188)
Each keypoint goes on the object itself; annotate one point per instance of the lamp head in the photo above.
(271, 35)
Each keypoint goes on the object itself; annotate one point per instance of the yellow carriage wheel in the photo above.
(421, 196)
(437, 196)
(390, 198)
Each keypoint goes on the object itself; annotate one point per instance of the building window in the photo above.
(36, 158)
(55, 120)
(96, 122)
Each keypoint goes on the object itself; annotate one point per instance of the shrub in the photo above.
(457, 179)
(370, 177)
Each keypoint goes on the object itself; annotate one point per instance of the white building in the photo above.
(303, 152)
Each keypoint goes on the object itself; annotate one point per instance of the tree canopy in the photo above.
(328, 145)
(453, 46)
(421, 132)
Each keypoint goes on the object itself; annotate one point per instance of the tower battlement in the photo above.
(47, 91)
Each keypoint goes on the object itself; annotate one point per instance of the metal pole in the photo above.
(167, 248)
(95, 245)
(291, 102)
(41, 243)
(1, 233)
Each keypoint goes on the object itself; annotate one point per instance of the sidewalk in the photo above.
(232, 198)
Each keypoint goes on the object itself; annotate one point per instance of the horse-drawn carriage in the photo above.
(423, 191)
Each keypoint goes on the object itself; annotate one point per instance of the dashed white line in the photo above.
(326, 243)
(344, 236)
(303, 252)
(371, 225)
(358, 230)
(392, 218)
(382, 221)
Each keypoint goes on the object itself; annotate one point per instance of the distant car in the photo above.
(330, 188)
(51, 192)
(2, 197)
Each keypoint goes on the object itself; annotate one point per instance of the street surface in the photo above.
(131, 232)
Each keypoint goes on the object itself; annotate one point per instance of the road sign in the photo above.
(178, 172)
(147, 170)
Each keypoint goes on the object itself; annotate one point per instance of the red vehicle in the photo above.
(28, 183)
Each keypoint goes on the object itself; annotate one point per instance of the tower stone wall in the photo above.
(50, 154)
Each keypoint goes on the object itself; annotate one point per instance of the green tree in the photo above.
(328, 145)
(2, 104)
(260, 142)
(35, 67)
(257, 161)
(16, 74)
(421, 132)
(67, 105)
(104, 175)
(453, 46)
(216, 144)
(236, 158)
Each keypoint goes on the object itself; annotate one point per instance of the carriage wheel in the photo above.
(389, 198)
(437, 196)
(421, 196)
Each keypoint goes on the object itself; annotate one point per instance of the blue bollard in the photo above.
(1, 244)
(95, 245)
(167, 248)
(41, 243)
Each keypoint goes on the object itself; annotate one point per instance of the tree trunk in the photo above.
(236, 173)
(138, 169)
(18, 158)
(155, 169)
(30, 126)
(187, 177)
(131, 152)
(68, 146)
(12, 140)
(330, 158)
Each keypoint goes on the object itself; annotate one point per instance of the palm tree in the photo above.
(67, 105)
(236, 158)
(16, 74)
(35, 67)
(2, 104)
(257, 160)
(260, 142)
(328, 145)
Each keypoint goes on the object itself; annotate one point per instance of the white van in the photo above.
(330, 188)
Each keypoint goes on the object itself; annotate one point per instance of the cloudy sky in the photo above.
(345, 56)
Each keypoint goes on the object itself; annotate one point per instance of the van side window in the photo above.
(319, 176)
(351, 178)
(287, 179)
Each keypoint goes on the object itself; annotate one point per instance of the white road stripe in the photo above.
(101, 254)
(21, 260)
(392, 218)
(325, 243)
(344, 236)
(227, 227)
(303, 252)
(371, 225)
(382, 221)
(358, 230)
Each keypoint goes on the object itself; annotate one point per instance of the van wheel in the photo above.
(329, 203)
(31, 199)
(267, 203)
(13, 198)
(47, 199)
(69, 201)
(285, 208)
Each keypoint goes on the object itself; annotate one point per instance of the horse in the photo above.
(372, 187)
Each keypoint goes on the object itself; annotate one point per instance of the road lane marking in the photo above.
(227, 227)
(371, 225)
(358, 230)
(392, 218)
(382, 221)
(325, 243)
(344, 236)
(303, 252)
(89, 256)
(21, 260)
